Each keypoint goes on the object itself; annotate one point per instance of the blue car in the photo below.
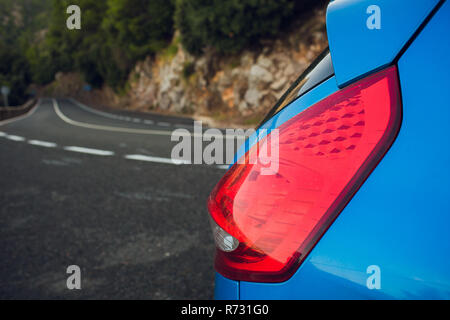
(343, 191)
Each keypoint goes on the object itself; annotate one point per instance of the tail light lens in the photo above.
(269, 223)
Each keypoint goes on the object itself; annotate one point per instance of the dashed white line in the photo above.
(109, 128)
(89, 151)
(139, 157)
(113, 116)
(142, 157)
(29, 113)
(100, 113)
(42, 143)
(14, 138)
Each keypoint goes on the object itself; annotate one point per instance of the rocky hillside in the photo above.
(223, 90)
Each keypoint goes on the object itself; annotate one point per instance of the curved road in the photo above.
(98, 190)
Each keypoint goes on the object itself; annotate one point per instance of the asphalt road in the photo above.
(70, 194)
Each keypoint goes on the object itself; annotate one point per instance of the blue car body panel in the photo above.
(370, 49)
(222, 285)
(399, 218)
(225, 289)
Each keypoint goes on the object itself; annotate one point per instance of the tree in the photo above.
(135, 29)
(18, 19)
(230, 26)
(14, 72)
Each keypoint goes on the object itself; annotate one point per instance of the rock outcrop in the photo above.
(241, 87)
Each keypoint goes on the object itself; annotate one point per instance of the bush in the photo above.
(114, 35)
(14, 73)
(15, 37)
(142, 27)
(229, 26)
(188, 70)
(73, 50)
(135, 29)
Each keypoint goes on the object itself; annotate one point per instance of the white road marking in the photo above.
(105, 128)
(42, 143)
(141, 157)
(113, 116)
(29, 113)
(14, 138)
(89, 151)
(2, 134)
(100, 113)
(130, 130)
(137, 120)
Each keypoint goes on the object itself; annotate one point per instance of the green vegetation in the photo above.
(114, 35)
(135, 29)
(229, 26)
(35, 43)
(188, 70)
(171, 51)
(17, 19)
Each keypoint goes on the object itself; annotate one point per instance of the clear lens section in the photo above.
(223, 240)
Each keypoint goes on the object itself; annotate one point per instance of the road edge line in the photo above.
(23, 116)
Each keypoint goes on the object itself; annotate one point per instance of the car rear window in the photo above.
(320, 70)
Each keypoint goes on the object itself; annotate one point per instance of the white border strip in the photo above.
(110, 128)
(141, 157)
(130, 130)
(23, 116)
(89, 151)
(42, 143)
(14, 137)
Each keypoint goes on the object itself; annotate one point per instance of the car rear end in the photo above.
(342, 191)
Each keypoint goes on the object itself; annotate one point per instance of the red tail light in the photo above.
(271, 222)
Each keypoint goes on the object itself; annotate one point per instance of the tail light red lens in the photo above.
(271, 222)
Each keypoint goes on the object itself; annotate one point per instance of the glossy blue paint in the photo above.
(399, 218)
(225, 289)
(357, 50)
